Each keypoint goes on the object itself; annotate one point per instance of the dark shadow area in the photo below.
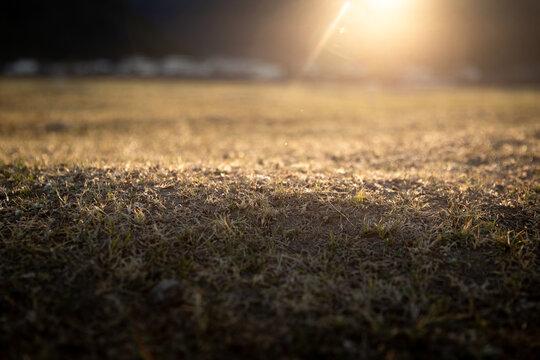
(167, 264)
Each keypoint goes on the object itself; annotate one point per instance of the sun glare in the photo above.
(377, 28)
(384, 5)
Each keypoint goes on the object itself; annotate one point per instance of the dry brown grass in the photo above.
(235, 220)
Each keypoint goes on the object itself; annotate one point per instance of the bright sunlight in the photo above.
(385, 5)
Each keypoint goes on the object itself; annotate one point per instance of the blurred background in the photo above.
(424, 42)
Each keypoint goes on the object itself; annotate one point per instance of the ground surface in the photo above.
(217, 220)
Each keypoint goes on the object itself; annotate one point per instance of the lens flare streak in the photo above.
(322, 43)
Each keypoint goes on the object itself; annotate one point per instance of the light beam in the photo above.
(322, 43)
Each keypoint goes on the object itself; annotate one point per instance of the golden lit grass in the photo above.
(213, 220)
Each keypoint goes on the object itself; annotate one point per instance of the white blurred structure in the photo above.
(421, 76)
(94, 67)
(138, 65)
(169, 66)
(468, 73)
(244, 68)
(181, 66)
(176, 65)
(22, 67)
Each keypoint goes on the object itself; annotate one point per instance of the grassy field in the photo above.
(167, 220)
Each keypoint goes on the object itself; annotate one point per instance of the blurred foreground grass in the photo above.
(213, 220)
